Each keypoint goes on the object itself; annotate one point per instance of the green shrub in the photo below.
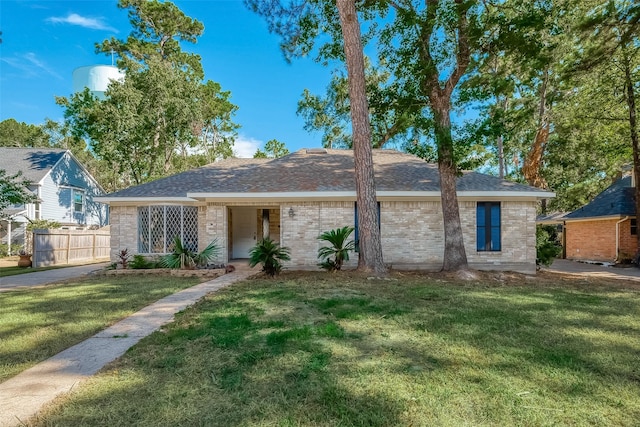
(269, 254)
(339, 248)
(139, 262)
(4, 250)
(547, 245)
(45, 224)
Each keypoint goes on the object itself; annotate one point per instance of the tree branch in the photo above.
(463, 56)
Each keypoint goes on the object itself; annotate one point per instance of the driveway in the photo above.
(48, 276)
(593, 270)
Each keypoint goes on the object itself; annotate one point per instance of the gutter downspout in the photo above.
(618, 236)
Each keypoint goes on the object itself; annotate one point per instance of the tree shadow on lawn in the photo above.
(277, 353)
(566, 329)
(53, 318)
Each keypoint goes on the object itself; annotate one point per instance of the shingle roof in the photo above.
(313, 171)
(616, 200)
(34, 163)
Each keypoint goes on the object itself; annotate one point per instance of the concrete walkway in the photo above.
(593, 270)
(48, 276)
(23, 395)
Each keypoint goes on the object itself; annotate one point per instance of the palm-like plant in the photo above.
(269, 254)
(339, 248)
(182, 257)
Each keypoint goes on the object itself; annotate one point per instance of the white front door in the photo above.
(244, 229)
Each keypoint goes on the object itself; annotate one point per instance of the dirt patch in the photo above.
(484, 278)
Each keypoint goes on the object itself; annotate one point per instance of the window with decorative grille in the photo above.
(158, 226)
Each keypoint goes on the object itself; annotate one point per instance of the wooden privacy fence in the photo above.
(59, 247)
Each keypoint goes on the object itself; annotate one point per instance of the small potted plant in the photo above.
(25, 259)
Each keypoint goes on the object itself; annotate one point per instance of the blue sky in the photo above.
(43, 41)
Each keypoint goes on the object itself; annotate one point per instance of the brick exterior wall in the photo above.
(310, 219)
(628, 241)
(215, 226)
(596, 240)
(518, 232)
(124, 230)
(412, 232)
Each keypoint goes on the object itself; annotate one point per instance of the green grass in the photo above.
(36, 324)
(339, 350)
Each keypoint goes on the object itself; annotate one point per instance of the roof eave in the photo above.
(108, 199)
(598, 218)
(326, 196)
(382, 195)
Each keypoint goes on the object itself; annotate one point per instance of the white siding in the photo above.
(57, 195)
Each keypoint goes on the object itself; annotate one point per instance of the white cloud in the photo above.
(30, 65)
(82, 21)
(246, 147)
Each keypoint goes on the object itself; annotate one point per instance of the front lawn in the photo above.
(38, 323)
(341, 350)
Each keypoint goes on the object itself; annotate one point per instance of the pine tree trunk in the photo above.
(370, 244)
(633, 127)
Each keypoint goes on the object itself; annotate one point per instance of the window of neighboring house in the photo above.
(634, 227)
(158, 226)
(488, 226)
(78, 201)
(356, 238)
(36, 210)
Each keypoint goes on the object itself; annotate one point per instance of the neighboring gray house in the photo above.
(295, 198)
(64, 188)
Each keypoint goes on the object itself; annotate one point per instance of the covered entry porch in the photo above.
(247, 225)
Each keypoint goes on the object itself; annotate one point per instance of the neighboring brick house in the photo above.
(295, 198)
(605, 229)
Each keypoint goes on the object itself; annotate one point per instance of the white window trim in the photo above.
(73, 200)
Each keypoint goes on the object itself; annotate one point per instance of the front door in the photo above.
(244, 229)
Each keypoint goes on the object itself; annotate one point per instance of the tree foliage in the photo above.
(612, 36)
(20, 134)
(329, 114)
(273, 149)
(162, 118)
(13, 191)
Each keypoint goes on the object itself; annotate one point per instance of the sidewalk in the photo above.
(48, 276)
(593, 270)
(23, 395)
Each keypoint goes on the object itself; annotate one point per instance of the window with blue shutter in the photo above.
(488, 233)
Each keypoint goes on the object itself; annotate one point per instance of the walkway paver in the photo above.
(23, 395)
(48, 276)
